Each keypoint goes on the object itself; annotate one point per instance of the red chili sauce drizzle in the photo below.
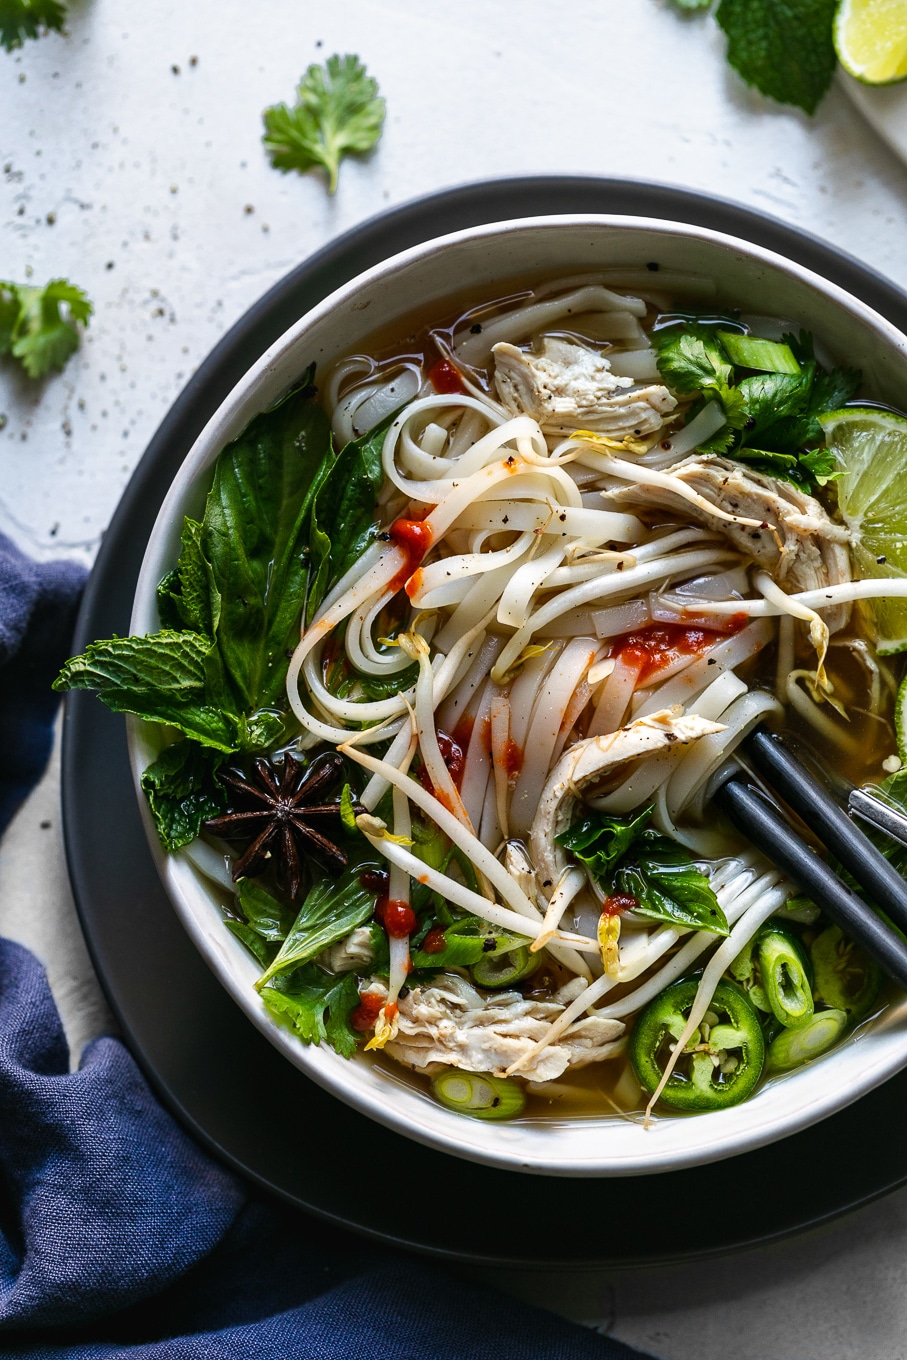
(453, 753)
(398, 918)
(617, 904)
(444, 377)
(435, 941)
(660, 644)
(511, 759)
(414, 537)
(375, 881)
(366, 1013)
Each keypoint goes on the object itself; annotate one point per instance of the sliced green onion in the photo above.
(766, 356)
(794, 1047)
(503, 970)
(479, 1095)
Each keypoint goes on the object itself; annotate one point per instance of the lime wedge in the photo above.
(871, 40)
(871, 448)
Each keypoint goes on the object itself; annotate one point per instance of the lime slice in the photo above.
(871, 447)
(871, 40)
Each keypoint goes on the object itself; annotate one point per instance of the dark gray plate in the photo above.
(208, 1063)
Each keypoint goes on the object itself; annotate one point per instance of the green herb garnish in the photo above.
(337, 113)
(772, 418)
(21, 19)
(40, 326)
(627, 857)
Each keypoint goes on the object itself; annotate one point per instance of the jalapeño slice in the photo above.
(722, 1061)
(845, 978)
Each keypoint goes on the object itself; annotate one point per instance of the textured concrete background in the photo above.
(131, 163)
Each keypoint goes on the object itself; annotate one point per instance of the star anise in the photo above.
(273, 808)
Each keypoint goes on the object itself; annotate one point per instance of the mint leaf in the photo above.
(40, 326)
(332, 908)
(160, 678)
(254, 538)
(267, 922)
(318, 1005)
(782, 47)
(338, 112)
(21, 19)
(182, 792)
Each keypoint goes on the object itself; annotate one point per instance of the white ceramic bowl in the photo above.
(755, 280)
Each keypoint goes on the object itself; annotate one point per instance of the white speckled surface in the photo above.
(148, 175)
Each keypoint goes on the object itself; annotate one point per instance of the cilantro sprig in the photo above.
(338, 112)
(40, 326)
(784, 48)
(21, 19)
(772, 419)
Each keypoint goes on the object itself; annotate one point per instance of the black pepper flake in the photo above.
(653, 266)
(711, 661)
(476, 329)
(488, 946)
(882, 560)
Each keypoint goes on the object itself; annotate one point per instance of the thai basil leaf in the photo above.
(318, 1005)
(342, 510)
(161, 678)
(254, 538)
(662, 877)
(268, 918)
(376, 687)
(332, 908)
(183, 792)
(599, 840)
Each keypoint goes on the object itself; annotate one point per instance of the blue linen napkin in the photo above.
(119, 1237)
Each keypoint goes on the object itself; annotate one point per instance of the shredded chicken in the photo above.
(798, 543)
(567, 387)
(354, 951)
(451, 1024)
(586, 762)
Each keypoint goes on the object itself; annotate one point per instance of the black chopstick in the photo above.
(882, 882)
(764, 825)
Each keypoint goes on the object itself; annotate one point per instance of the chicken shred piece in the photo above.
(450, 1023)
(567, 387)
(587, 762)
(798, 543)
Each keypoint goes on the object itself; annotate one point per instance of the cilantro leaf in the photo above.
(39, 326)
(318, 1005)
(690, 358)
(338, 112)
(782, 47)
(21, 19)
(182, 791)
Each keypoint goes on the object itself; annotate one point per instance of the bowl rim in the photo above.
(310, 1059)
